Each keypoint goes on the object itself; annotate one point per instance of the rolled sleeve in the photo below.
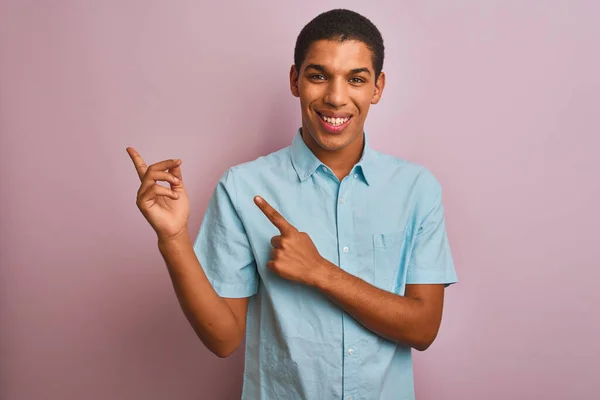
(431, 259)
(222, 245)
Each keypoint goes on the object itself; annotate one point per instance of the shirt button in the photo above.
(346, 250)
(350, 351)
(342, 201)
(355, 176)
(324, 168)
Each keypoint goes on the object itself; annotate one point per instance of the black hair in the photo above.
(341, 25)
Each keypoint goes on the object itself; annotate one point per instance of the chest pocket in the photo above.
(388, 261)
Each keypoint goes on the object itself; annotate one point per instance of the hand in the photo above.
(294, 255)
(166, 209)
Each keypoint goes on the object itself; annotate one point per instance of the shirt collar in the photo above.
(306, 163)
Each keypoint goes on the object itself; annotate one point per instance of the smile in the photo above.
(334, 124)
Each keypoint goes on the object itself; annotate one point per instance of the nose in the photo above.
(336, 94)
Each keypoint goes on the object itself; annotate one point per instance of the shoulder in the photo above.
(257, 170)
(407, 173)
(276, 159)
(276, 162)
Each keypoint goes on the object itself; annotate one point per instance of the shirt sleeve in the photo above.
(222, 245)
(431, 260)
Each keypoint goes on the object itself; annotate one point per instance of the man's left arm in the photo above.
(413, 319)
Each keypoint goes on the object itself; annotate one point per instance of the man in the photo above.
(330, 257)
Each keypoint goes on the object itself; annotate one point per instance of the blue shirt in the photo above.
(383, 223)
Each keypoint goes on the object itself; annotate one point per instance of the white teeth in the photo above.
(335, 121)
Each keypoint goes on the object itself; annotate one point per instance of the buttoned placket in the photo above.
(345, 233)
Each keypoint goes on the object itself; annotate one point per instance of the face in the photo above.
(336, 86)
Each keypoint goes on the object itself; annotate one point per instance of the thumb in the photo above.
(177, 172)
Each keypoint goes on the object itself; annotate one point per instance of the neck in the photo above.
(340, 161)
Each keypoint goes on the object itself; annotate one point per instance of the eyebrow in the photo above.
(321, 68)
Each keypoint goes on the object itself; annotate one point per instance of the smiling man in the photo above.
(329, 257)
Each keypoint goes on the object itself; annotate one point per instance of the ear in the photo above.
(294, 81)
(379, 85)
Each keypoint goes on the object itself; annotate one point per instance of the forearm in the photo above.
(210, 316)
(397, 318)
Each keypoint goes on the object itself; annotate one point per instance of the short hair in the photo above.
(341, 25)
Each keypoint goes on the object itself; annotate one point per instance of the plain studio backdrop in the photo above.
(501, 100)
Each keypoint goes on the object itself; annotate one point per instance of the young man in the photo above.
(338, 269)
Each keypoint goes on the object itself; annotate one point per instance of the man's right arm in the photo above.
(219, 322)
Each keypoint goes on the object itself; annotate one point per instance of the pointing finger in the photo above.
(138, 162)
(274, 216)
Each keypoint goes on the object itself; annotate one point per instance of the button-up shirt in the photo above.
(383, 223)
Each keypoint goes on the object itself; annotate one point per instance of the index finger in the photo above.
(138, 162)
(274, 216)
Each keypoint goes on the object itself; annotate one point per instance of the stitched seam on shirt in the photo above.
(235, 205)
(437, 194)
(411, 262)
(235, 286)
(235, 196)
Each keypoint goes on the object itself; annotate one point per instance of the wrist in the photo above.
(324, 274)
(180, 238)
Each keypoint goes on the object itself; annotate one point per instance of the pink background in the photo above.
(499, 99)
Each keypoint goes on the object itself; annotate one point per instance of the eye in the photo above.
(357, 80)
(318, 77)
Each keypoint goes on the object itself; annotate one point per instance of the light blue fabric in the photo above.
(384, 223)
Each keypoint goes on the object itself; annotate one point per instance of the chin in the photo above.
(333, 141)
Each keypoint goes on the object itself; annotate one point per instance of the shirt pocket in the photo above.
(388, 273)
